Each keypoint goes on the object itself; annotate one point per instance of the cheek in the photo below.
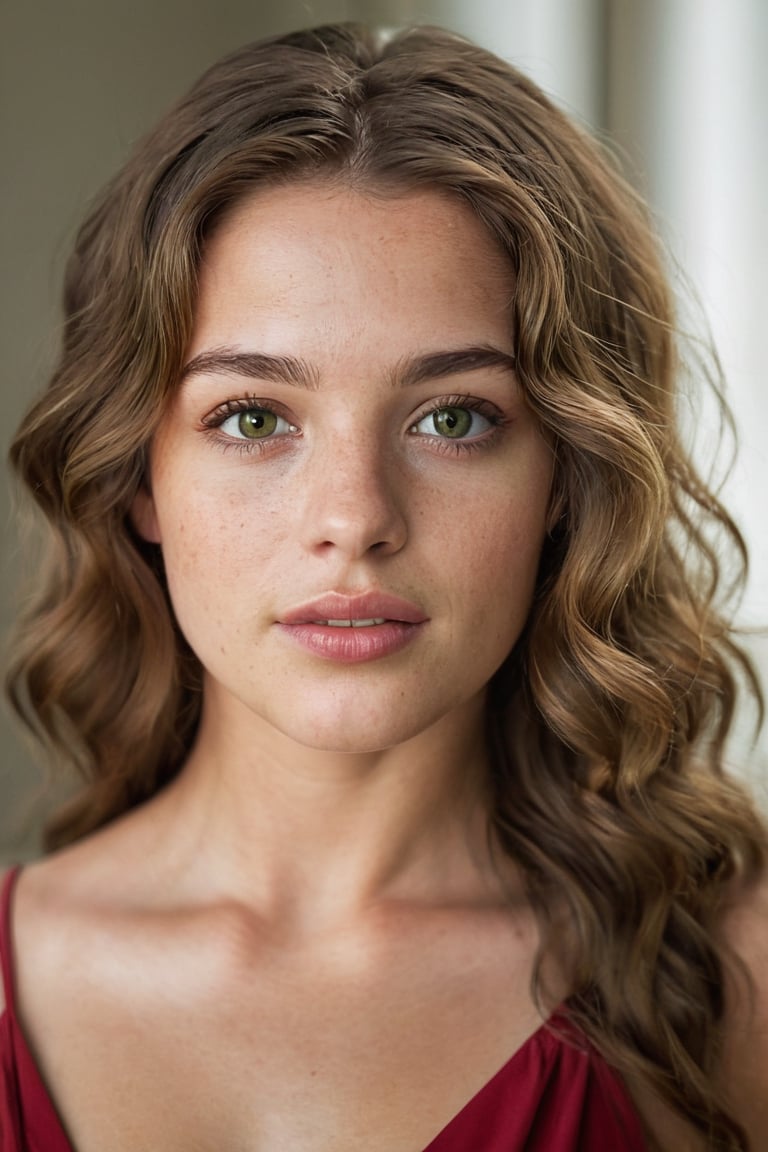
(214, 531)
(498, 554)
(504, 554)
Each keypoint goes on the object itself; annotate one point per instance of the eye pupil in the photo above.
(256, 423)
(453, 422)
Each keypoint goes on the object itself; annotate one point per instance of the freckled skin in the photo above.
(354, 500)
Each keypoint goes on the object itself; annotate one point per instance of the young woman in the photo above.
(380, 619)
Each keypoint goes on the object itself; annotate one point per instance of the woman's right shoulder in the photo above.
(70, 903)
(42, 905)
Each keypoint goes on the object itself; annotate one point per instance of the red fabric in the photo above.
(554, 1095)
(28, 1119)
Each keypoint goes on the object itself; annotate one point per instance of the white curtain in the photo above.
(688, 98)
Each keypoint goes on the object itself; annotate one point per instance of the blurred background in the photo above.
(678, 87)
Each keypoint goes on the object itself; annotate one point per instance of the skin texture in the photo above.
(353, 500)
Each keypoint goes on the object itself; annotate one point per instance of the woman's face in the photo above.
(349, 442)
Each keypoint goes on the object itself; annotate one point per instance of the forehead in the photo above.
(332, 260)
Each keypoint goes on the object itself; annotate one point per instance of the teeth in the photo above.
(351, 623)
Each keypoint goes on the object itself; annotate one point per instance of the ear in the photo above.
(143, 516)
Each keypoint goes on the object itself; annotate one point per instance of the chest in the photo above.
(295, 1057)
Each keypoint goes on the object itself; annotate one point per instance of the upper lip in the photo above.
(361, 606)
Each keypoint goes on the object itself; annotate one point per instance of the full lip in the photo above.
(371, 605)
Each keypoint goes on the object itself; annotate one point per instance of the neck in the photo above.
(315, 835)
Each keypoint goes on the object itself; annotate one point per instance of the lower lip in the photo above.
(353, 645)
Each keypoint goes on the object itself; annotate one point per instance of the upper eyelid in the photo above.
(234, 405)
(483, 407)
(463, 400)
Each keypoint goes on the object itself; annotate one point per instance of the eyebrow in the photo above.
(254, 365)
(297, 372)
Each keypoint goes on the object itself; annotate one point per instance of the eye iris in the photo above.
(453, 422)
(256, 423)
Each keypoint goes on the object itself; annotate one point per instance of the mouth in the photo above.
(352, 629)
(359, 610)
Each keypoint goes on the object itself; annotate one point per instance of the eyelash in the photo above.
(214, 420)
(490, 412)
(233, 407)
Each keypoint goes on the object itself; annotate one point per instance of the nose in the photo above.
(354, 502)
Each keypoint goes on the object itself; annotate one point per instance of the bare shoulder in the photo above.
(744, 1069)
(45, 901)
(65, 908)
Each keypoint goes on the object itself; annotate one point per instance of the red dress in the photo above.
(551, 1096)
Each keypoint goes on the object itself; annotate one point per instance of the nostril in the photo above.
(372, 524)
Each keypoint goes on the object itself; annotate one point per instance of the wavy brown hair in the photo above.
(608, 721)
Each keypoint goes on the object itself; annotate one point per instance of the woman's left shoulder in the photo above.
(743, 930)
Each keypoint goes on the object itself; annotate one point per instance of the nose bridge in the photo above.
(354, 495)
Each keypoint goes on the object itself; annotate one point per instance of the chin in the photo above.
(351, 727)
(350, 739)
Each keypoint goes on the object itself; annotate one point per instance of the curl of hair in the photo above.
(606, 725)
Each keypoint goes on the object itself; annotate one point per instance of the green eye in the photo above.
(452, 422)
(256, 423)
(252, 422)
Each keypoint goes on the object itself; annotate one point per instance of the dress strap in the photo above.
(6, 938)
